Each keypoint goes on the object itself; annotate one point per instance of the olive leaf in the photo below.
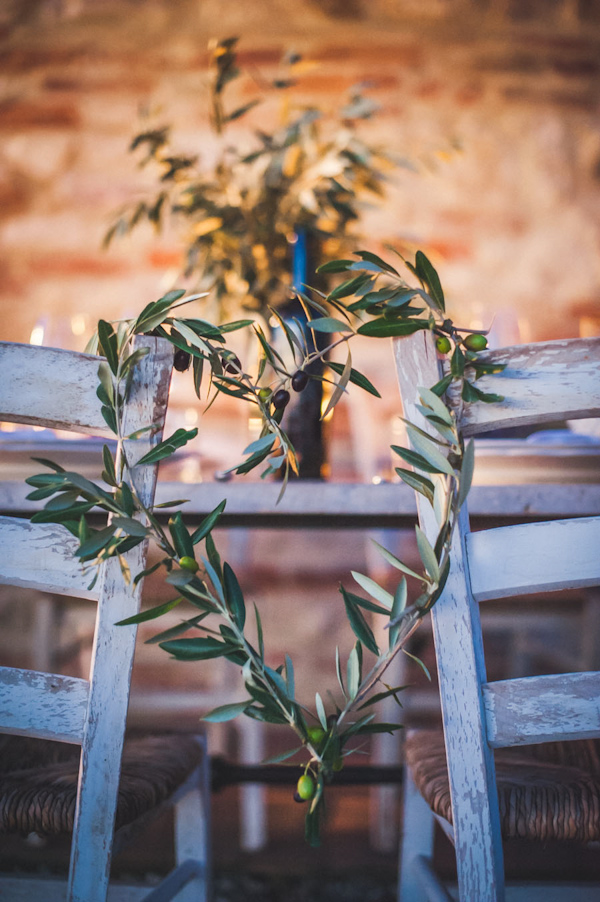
(356, 377)
(151, 613)
(426, 272)
(370, 586)
(154, 313)
(427, 554)
(208, 523)
(328, 324)
(321, 711)
(360, 627)
(226, 712)
(167, 447)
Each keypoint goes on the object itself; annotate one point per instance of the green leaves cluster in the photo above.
(374, 300)
(239, 215)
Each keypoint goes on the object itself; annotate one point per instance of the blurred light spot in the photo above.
(37, 335)
(78, 324)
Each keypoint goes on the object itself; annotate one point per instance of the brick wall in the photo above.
(495, 105)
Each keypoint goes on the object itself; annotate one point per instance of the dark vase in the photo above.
(303, 418)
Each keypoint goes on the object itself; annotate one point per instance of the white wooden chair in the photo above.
(53, 791)
(479, 796)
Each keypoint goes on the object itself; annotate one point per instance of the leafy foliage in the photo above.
(442, 468)
(239, 215)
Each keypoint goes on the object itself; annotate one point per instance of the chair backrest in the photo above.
(57, 389)
(542, 383)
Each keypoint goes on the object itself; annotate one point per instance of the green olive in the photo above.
(475, 342)
(306, 787)
(316, 735)
(443, 344)
(188, 563)
(264, 394)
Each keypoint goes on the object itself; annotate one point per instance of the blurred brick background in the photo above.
(495, 104)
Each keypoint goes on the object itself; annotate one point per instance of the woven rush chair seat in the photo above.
(38, 780)
(546, 792)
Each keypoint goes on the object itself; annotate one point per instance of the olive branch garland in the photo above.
(441, 470)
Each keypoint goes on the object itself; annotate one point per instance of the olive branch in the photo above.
(374, 300)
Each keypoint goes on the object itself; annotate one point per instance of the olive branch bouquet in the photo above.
(372, 300)
(238, 213)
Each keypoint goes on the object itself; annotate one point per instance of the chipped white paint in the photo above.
(461, 670)
(543, 708)
(44, 705)
(113, 653)
(50, 549)
(534, 557)
(542, 383)
(58, 388)
(50, 387)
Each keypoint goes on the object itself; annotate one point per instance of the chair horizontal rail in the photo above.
(52, 547)
(47, 706)
(534, 557)
(542, 383)
(50, 387)
(542, 709)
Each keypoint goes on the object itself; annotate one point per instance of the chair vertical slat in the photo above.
(461, 668)
(113, 650)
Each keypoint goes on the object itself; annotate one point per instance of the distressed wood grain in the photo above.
(50, 387)
(461, 670)
(542, 383)
(114, 648)
(47, 387)
(42, 556)
(44, 705)
(534, 557)
(542, 708)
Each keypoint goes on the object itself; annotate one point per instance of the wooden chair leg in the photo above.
(192, 835)
(253, 807)
(416, 841)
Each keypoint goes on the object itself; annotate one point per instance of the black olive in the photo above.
(299, 380)
(181, 360)
(232, 365)
(280, 399)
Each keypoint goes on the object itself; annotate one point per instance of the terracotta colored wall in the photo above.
(496, 105)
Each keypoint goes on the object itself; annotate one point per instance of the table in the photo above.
(346, 505)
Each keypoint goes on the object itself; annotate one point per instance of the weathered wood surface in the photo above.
(50, 387)
(42, 556)
(535, 557)
(461, 670)
(44, 705)
(113, 651)
(543, 383)
(58, 389)
(542, 709)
